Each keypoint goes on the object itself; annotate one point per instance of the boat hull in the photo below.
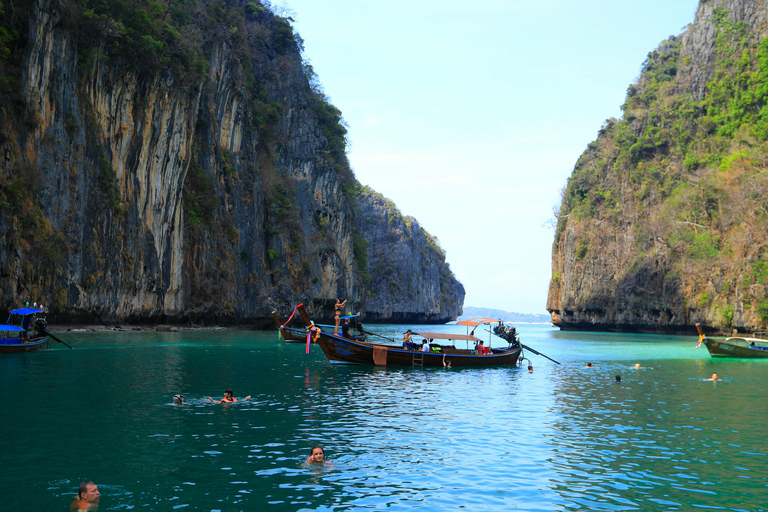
(16, 346)
(293, 335)
(729, 348)
(339, 350)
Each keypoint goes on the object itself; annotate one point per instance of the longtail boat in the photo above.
(23, 332)
(289, 334)
(341, 350)
(293, 335)
(736, 346)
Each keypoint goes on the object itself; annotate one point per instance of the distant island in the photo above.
(531, 318)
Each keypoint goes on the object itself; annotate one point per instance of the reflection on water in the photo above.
(561, 438)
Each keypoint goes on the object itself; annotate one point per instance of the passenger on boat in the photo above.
(229, 397)
(482, 349)
(87, 498)
(425, 346)
(338, 308)
(317, 455)
(345, 329)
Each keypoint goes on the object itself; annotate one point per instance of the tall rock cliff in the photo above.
(173, 161)
(664, 221)
(408, 279)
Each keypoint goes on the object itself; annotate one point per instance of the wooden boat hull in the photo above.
(730, 348)
(15, 346)
(343, 351)
(293, 335)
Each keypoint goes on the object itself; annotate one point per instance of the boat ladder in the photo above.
(418, 359)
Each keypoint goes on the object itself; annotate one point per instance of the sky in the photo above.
(470, 116)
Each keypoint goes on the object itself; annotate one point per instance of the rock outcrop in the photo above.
(408, 279)
(171, 162)
(663, 221)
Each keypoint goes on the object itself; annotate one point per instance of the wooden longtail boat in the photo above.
(292, 335)
(340, 350)
(21, 334)
(289, 335)
(734, 347)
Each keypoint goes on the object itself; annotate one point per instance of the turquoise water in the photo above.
(562, 438)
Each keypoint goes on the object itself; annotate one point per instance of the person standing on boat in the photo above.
(407, 343)
(338, 308)
(87, 498)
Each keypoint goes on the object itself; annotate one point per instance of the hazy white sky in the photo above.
(471, 115)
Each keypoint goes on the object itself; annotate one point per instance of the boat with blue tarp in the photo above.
(24, 331)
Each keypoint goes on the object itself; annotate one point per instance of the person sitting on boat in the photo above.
(345, 329)
(229, 397)
(87, 498)
(425, 346)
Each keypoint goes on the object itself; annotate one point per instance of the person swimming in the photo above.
(229, 397)
(316, 455)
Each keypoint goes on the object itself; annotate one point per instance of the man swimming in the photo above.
(87, 498)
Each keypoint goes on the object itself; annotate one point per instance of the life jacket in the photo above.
(227, 401)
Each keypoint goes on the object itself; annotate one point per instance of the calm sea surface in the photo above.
(562, 438)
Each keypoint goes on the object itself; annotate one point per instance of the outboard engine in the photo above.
(509, 333)
(40, 325)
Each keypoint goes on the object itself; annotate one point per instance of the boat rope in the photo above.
(280, 331)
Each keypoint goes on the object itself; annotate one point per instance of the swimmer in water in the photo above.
(178, 399)
(637, 366)
(87, 498)
(589, 365)
(714, 378)
(229, 397)
(317, 455)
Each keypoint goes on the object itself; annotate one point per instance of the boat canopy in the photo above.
(443, 336)
(25, 311)
(474, 322)
(11, 328)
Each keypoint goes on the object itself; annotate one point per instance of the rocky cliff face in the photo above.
(409, 279)
(663, 222)
(170, 161)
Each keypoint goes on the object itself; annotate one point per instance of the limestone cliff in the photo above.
(663, 222)
(172, 161)
(409, 279)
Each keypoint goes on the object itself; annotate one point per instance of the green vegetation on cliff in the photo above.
(174, 159)
(684, 172)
